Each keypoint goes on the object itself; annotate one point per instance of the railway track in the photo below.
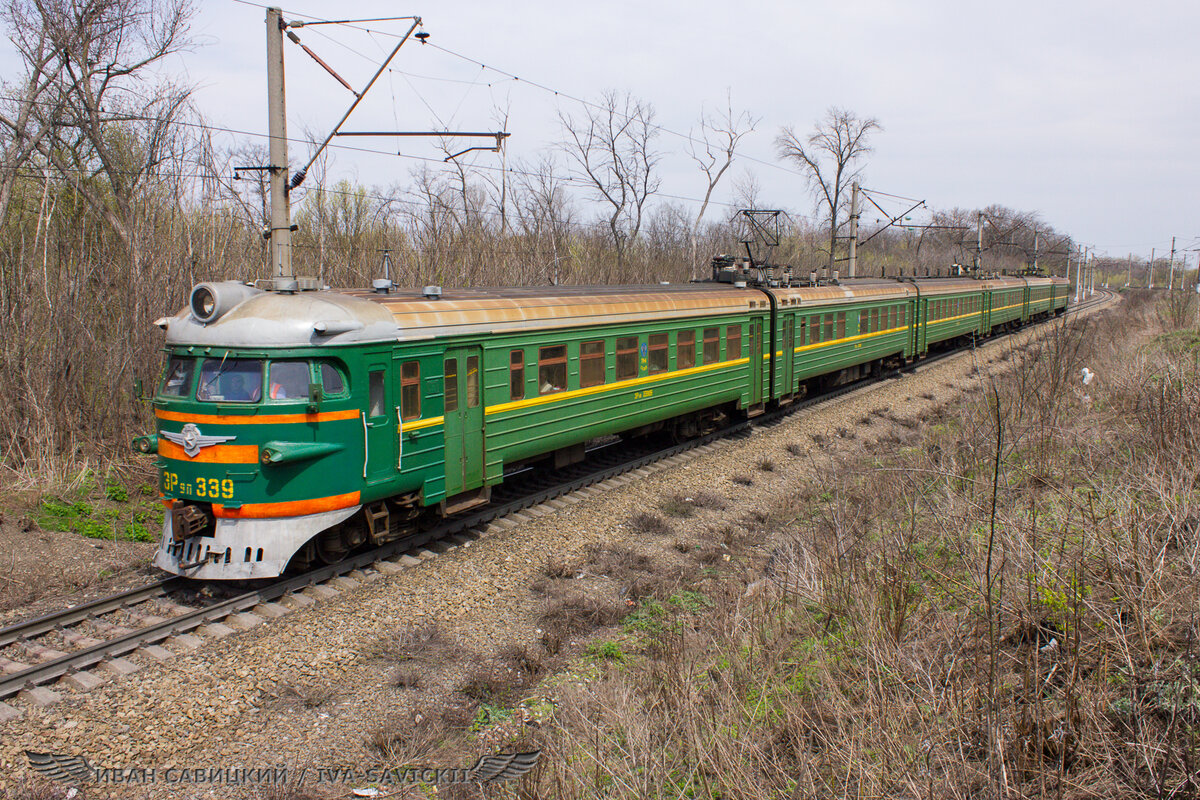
(73, 645)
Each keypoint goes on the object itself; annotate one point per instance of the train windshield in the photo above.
(177, 381)
(230, 380)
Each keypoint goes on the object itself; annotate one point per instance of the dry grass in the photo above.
(421, 644)
(650, 524)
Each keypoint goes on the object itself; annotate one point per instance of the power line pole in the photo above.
(853, 268)
(1035, 249)
(1129, 279)
(281, 218)
(1171, 274)
(978, 240)
(1079, 274)
(1151, 283)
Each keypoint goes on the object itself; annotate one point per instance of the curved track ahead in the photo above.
(222, 616)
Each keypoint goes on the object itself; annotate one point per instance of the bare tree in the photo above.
(610, 149)
(716, 146)
(828, 157)
(714, 152)
(115, 123)
(30, 107)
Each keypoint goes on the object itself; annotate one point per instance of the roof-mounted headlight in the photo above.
(209, 301)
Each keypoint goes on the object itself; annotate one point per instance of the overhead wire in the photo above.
(541, 86)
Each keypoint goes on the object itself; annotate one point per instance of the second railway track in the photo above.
(149, 616)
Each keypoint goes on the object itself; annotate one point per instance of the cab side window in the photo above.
(332, 382)
(178, 379)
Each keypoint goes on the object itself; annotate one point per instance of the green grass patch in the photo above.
(606, 651)
(489, 714)
(647, 617)
(692, 602)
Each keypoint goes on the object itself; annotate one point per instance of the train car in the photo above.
(1060, 289)
(836, 333)
(1005, 303)
(293, 427)
(949, 309)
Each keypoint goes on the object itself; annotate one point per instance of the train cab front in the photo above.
(260, 448)
(253, 459)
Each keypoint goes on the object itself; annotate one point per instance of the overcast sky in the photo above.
(1082, 111)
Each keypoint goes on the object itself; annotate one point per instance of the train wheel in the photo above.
(331, 547)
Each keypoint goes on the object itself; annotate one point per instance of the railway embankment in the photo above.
(863, 596)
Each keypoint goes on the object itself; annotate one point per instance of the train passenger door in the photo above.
(379, 421)
(922, 325)
(463, 425)
(756, 361)
(789, 354)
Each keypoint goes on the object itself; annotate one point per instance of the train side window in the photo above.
(375, 393)
(712, 345)
(552, 369)
(516, 375)
(472, 381)
(828, 335)
(903, 312)
(178, 378)
(450, 384)
(410, 390)
(591, 363)
(733, 341)
(627, 358)
(814, 325)
(863, 318)
(288, 380)
(841, 325)
(875, 319)
(893, 317)
(685, 349)
(657, 362)
(332, 382)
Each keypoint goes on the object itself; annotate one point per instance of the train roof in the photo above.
(344, 316)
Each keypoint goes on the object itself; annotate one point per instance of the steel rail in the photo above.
(103, 605)
(122, 645)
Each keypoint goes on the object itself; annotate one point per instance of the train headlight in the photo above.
(204, 302)
(210, 300)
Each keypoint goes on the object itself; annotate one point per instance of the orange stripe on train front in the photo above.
(216, 454)
(257, 419)
(295, 508)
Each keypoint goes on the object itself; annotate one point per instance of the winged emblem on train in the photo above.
(192, 440)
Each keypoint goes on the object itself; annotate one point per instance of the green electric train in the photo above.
(295, 427)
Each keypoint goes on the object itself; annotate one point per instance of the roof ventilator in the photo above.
(432, 292)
